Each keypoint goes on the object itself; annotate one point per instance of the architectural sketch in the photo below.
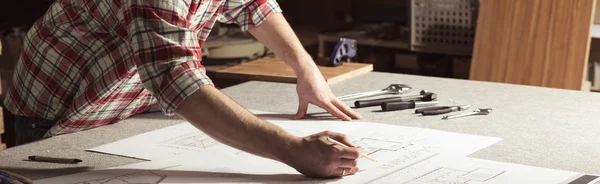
(196, 141)
(445, 175)
(371, 146)
(144, 177)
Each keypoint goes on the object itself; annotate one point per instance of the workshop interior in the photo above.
(531, 43)
(417, 37)
(436, 38)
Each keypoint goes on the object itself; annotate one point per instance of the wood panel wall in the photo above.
(533, 42)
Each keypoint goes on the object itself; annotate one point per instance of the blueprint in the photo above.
(211, 168)
(176, 140)
(406, 155)
(386, 141)
(204, 168)
(141, 177)
(185, 139)
(444, 169)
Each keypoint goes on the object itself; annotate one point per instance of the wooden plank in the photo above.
(275, 70)
(533, 42)
(597, 14)
(493, 24)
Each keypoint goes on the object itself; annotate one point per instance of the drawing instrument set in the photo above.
(424, 103)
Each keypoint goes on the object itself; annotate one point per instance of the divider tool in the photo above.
(477, 111)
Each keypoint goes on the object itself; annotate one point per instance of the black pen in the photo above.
(53, 159)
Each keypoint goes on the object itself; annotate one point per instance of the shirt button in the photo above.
(32, 125)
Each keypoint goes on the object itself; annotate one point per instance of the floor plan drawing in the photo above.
(445, 175)
(143, 177)
(371, 146)
(444, 169)
(196, 141)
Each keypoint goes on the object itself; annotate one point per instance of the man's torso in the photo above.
(77, 68)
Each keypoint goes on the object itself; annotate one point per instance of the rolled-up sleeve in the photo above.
(166, 51)
(248, 13)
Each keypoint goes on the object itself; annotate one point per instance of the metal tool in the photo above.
(437, 110)
(392, 106)
(477, 111)
(392, 89)
(344, 50)
(424, 96)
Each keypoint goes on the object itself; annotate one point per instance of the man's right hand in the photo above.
(315, 156)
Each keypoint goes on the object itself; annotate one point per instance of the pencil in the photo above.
(361, 154)
(53, 159)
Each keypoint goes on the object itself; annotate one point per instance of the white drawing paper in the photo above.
(210, 168)
(184, 138)
(444, 169)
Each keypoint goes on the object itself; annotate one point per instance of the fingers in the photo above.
(341, 171)
(302, 108)
(347, 110)
(333, 110)
(348, 163)
(350, 153)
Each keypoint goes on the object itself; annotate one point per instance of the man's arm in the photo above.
(276, 34)
(220, 117)
(166, 53)
(223, 119)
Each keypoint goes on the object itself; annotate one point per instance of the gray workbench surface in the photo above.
(541, 127)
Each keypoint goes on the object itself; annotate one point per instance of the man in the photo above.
(89, 63)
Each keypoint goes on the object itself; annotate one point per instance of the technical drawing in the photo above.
(196, 141)
(371, 146)
(448, 175)
(144, 177)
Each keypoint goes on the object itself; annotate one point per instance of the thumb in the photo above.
(302, 108)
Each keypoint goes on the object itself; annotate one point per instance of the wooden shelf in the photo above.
(275, 70)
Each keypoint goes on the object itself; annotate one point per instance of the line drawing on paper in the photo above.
(196, 141)
(371, 146)
(144, 177)
(445, 175)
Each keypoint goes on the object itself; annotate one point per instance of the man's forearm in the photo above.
(277, 35)
(223, 119)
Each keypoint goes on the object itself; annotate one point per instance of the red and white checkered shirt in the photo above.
(88, 63)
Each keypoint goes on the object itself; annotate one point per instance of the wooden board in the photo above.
(597, 14)
(533, 42)
(275, 70)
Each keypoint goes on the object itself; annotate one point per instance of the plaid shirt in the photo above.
(88, 63)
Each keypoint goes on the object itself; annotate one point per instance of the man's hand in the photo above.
(314, 156)
(277, 35)
(312, 89)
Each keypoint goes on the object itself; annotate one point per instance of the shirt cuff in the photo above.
(187, 79)
(261, 13)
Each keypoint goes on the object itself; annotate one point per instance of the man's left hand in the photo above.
(312, 89)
